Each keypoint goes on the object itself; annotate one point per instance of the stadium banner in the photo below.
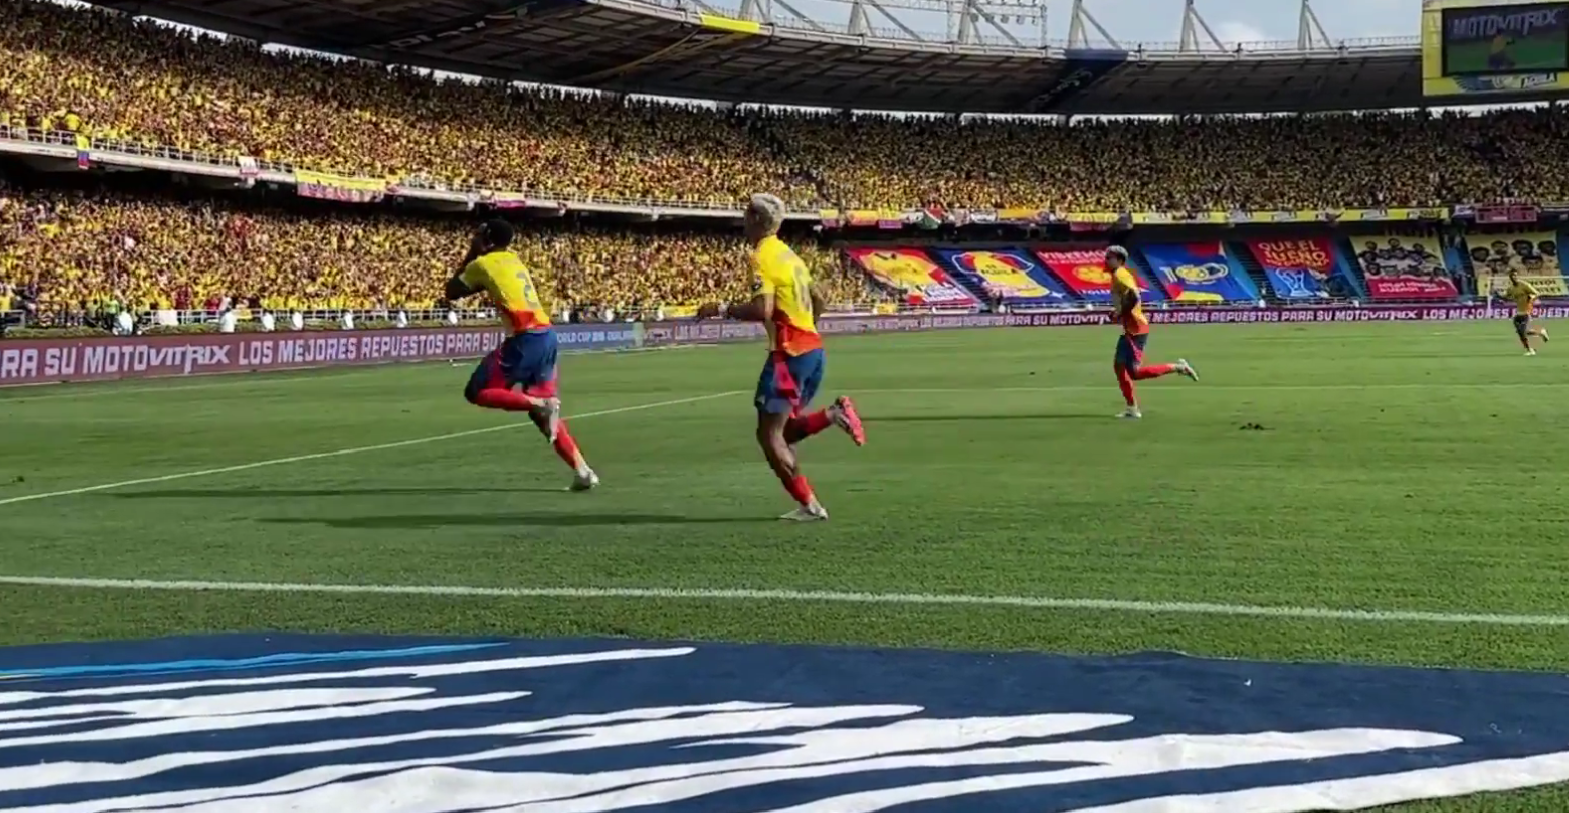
(1100, 221)
(1196, 273)
(1083, 273)
(920, 282)
(1533, 254)
(1298, 269)
(338, 187)
(1160, 218)
(1494, 47)
(49, 361)
(664, 334)
(1010, 275)
(41, 361)
(504, 200)
(1398, 267)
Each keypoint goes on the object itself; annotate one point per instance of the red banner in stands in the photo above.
(1398, 267)
(1083, 272)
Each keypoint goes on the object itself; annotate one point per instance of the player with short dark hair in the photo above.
(520, 375)
(787, 305)
(1128, 312)
(1525, 296)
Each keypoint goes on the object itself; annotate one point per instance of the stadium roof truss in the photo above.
(768, 51)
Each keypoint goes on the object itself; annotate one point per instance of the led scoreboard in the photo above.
(1494, 47)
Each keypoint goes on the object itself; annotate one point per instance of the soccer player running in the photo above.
(520, 375)
(1525, 296)
(1128, 312)
(788, 306)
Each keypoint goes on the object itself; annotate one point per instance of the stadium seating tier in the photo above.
(100, 74)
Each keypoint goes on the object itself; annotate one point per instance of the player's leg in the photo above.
(1535, 330)
(777, 400)
(1143, 372)
(1125, 363)
(1523, 331)
(537, 372)
(808, 370)
(491, 387)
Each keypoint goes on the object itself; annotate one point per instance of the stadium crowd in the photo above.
(104, 75)
(91, 251)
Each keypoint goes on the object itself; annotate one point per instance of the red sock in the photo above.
(1154, 371)
(799, 429)
(566, 447)
(1125, 383)
(800, 489)
(502, 398)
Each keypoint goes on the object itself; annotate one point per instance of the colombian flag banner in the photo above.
(338, 187)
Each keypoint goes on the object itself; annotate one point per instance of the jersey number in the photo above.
(801, 280)
(529, 295)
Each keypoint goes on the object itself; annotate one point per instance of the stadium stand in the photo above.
(107, 76)
(84, 251)
(67, 73)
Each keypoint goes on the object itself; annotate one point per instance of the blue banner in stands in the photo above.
(1196, 273)
(1080, 71)
(1010, 275)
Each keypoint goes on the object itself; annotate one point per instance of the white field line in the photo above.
(354, 450)
(806, 596)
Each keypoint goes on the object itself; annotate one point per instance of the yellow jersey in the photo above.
(510, 285)
(1123, 289)
(1524, 296)
(781, 274)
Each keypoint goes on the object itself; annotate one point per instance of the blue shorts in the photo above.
(789, 383)
(527, 359)
(1130, 351)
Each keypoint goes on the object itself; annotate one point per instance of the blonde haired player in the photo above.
(1524, 295)
(787, 305)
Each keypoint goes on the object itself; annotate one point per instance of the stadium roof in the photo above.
(639, 47)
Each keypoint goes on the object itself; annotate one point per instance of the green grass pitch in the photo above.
(1400, 469)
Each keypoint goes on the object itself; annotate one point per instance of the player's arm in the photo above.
(459, 288)
(759, 308)
(466, 282)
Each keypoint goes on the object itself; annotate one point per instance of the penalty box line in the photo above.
(281, 461)
(808, 596)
